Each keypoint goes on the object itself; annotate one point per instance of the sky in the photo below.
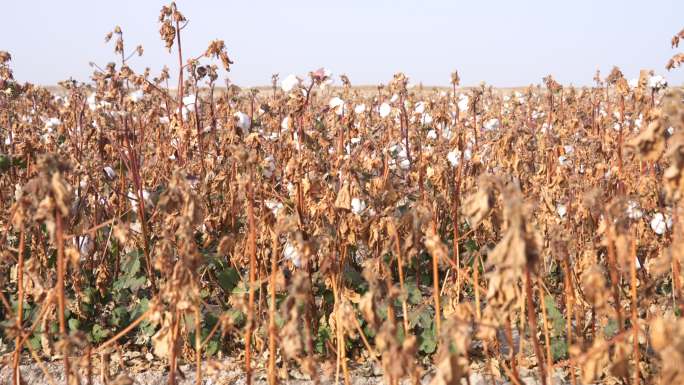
(505, 43)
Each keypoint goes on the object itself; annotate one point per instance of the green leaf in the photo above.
(611, 328)
(428, 341)
(228, 279)
(212, 348)
(555, 316)
(74, 324)
(98, 333)
(415, 297)
(559, 349)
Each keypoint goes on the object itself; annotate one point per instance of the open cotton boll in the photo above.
(404, 164)
(286, 123)
(337, 105)
(633, 210)
(568, 149)
(454, 157)
(633, 82)
(385, 110)
(111, 174)
(360, 109)
(52, 123)
(657, 82)
(420, 108)
(491, 125)
(289, 83)
(136, 96)
(463, 103)
(660, 223)
(274, 206)
(291, 253)
(243, 122)
(561, 210)
(432, 134)
(394, 98)
(355, 140)
(189, 102)
(357, 205)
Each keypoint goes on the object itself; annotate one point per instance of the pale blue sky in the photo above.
(503, 42)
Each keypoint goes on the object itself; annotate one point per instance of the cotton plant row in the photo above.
(314, 224)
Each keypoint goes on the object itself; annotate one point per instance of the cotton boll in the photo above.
(189, 102)
(633, 83)
(243, 122)
(568, 149)
(360, 109)
(394, 98)
(657, 82)
(111, 174)
(454, 157)
(136, 96)
(52, 123)
(633, 210)
(420, 108)
(561, 210)
(286, 123)
(357, 206)
(385, 110)
(291, 253)
(491, 124)
(289, 83)
(660, 224)
(274, 206)
(337, 105)
(404, 164)
(463, 103)
(432, 134)
(355, 140)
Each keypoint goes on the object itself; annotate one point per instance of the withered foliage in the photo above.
(534, 233)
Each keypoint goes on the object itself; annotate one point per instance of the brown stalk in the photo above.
(532, 319)
(61, 300)
(16, 375)
(635, 311)
(272, 328)
(251, 250)
(547, 338)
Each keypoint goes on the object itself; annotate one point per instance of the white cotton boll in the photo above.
(394, 98)
(136, 96)
(659, 223)
(568, 149)
(563, 160)
(561, 210)
(616, 126)
(291, 253)
(404, 164)
(463, 102)
(268, 166)
(291, 189)
(274, 206)
(289, 83)
(385, 110)
(52, 123)
(360, 109)
(633, 83)
(356, 140)
(467, 154)
(243, 122)
(8, 140)
(633, 210)
(189, 102)
(454, 157)
(427, 119)
(111, 174)
(657, 82)
(670, 130)
(420, 108)
(286, 123)
(432, 134)
(357, 206)
(491, 125)
(337, 105)
(136, 227)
